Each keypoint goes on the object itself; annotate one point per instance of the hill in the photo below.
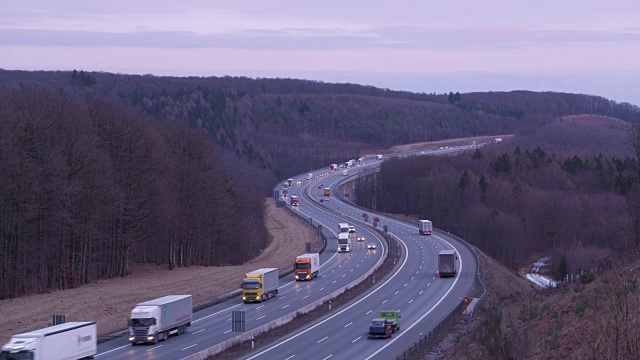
(275, 128)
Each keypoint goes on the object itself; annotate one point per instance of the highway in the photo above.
(413, 289)
(422, 298)
(212, 326)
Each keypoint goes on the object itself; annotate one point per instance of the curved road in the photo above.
(413, 289)
(422, 298)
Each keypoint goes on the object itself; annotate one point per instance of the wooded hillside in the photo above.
(281, 127)
(87, 187)
(515, 202)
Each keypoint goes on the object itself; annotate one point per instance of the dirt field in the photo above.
(109, 301)
(448, 142)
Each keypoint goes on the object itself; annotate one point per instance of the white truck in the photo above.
(378, 157)
(425, 227)
(68, 341)
(343, 227)
(352, 233)
(345, 172)
(343, 242)
(260, 285)
(155, 320)
(307, 266)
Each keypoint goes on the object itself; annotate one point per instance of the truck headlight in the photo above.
(244, 298)
(131, 338)
(150, 338)
(296, 277)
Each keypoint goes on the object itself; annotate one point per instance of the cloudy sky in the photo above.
(583, 46)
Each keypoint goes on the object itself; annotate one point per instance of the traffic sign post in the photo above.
(237, 321)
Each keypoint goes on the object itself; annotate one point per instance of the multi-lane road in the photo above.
(413, 289)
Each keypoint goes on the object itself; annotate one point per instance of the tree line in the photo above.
(88, 187)
(258, 121)
(518, 203)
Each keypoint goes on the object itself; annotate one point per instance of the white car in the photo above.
(371, 246)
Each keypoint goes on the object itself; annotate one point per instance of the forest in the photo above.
(515, 202)
(100, 170)
(274, 128)
(87, 187)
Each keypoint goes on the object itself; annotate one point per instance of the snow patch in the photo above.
(535, 277)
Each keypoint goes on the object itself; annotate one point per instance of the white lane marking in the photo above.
(299, 289)
(405, 285)
(292, 356)
(321, 289)
(261, 317)
(334, 281)
(384, 301)
(421, 291)
(425, 314)
(159, 346)
(286, 306)
(118, 348)
(410, 301)
(328, 357)
(306, 297)
(397, 292)
(428, 284)
(228, 331)
(344, 275)
(417, 272)
(201, 330)
(229, 319)
(282, 297)
(348, 324)
(368, 312)
(190, 346)
(404, 262)
(215, 313)
(258, 307)
(323, 339)
(358, 338)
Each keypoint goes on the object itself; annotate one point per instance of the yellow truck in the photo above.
(260, 285)
(327, 192)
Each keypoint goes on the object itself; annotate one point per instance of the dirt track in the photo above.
(109, 301)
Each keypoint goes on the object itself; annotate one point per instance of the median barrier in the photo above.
(247, 336)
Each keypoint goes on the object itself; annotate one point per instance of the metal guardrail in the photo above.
(428, 339)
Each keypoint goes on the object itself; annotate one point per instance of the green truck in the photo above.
(383, 326)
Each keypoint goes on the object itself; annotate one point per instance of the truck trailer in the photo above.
(333, 167)
(156, 320)
(68, 341)
(260, 285)
(327, 191)
(343, 242)
(307, 266)
(447, 261)
(425, 227)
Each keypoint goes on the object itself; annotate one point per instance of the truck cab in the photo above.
(343, 242)
(386, 324)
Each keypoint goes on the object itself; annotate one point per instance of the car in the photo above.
(319, 186)
(371, 246)
(365, 214)
(377, 218)
(360, 238)
(322, 200)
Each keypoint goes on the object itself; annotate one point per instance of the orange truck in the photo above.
(307, 266)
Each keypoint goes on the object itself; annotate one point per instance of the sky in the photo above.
(578, 46)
